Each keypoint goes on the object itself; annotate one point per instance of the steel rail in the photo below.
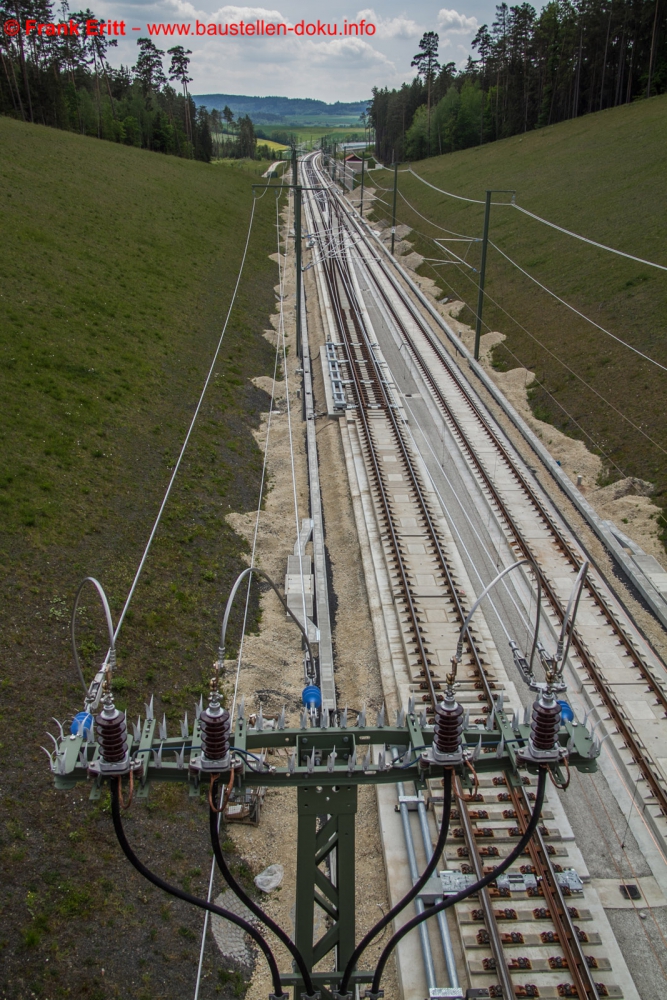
(384, 500)
(511, 466)
(587, 660)
(563, 926)
(565, 931)
(525, 485)
(409, 465)
(495, 939)
(418, 490)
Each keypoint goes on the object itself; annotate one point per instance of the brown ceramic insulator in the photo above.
(112, 736)
(215, 731)
(448, 726)
(545, 725)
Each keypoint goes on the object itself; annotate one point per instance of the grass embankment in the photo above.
(602, 176)
(119, 266)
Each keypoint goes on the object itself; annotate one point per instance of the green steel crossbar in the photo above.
(326, 798)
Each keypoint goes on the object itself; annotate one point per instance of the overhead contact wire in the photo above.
(545, 222)
(574, 310)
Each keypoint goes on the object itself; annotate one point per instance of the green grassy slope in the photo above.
(602, 176)
(118, 267)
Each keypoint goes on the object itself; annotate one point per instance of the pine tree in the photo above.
(179, 71)
(427, 65)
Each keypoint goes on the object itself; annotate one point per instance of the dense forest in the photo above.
(64, 80)
(532, 70)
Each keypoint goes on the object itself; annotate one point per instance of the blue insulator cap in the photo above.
(312, 696)
(566, 713)
(83, 719)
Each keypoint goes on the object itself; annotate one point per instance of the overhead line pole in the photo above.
(298, 189)
(361, 203)
(393, 211)
(297, 243)
(482, 266)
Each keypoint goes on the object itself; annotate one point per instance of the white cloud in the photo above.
(231, 13)
(391, 27)
(227, 13)
(455, 23)
(338, 69)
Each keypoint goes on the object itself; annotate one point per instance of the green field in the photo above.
(278, 146)
(602, 176)
(118, 267)
(310, 135)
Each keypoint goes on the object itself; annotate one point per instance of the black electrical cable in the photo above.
(253, 907)
(409, 896)
(194, 900)
(452, 900)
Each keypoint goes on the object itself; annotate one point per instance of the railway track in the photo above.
(520, 510)
(545, 953)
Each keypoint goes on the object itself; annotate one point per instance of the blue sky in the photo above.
(328, 69)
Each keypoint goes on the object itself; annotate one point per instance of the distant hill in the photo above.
(286, 110)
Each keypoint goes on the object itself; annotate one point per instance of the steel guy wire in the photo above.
(458, 197)
(542, 386)
(247, 603)
(433, 239)
(546, 222)
(187, 436)
(576, 375)
(473, 239)
(584, 239)
(574, 310)
(521, 364)
(555, 356)
(281, 271)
